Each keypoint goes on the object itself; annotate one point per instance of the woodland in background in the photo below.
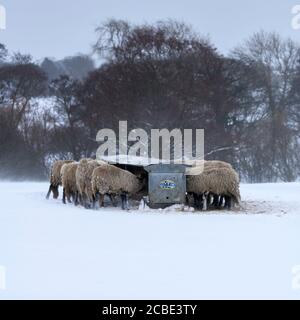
(162, 75)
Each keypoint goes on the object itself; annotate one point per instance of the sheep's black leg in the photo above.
(94, 202)
(124, 199)
(196, 200)
(49, 192)
(127, 202)
(55, 192)
(205, 199)
(215, 201)
(144, 202)
(113, 200)
(101, 200)
(221, 201)
(64, 196)
(96, 198)
(198, 203)
(85, 201)
(228, 202)
(187, 200)
(210, 200)
(76, 200)
(201, 201)
(80, 201)
(69, 197)
(190, 199)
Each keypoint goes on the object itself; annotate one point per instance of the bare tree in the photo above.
(275, 60)
(18, 85)
(68, 129)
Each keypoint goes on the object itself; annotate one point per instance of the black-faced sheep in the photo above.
(55, 177)
(219, 181)
(83, 180)
(110, 180)
(68, 177)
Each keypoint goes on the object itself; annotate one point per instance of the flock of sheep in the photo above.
(88, 181)
(213, 185)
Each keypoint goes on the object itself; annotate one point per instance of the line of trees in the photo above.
(162, 75)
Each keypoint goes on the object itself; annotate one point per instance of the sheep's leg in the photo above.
(210, 199)
(215, 201)
(73, 197)
(96, 198)
(124, 198)
(187, 200)
(55, 192)
(190, 200)
(64, 196)
(69, 197)
(228, 202)
(195, 196)
(49, 191)
(112, 198)
(127, 201)
(85, 201)
(204, 197)
(101, 200)
(123, 201)
(94, 202)
(80, 201)
(89, 202)
(201, 198)
(144, 202)
(221, 201)
(198, 204)
(76, 201)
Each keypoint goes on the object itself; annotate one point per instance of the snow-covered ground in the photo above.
(51, 250)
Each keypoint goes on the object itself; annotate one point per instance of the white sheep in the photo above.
(83, 180)
(220, 181)
(55, 177)
(68, 178)
(110, 180)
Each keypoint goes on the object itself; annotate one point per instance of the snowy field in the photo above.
(51, 250)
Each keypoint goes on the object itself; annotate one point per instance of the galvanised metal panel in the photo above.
(167, 185)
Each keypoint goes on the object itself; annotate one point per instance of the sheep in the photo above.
(197, 168)
(68, 178)
(109, 179)
(201, 165)
(83, 179)
(218, 181)
(55, 177)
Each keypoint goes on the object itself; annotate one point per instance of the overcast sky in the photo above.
(58, 28)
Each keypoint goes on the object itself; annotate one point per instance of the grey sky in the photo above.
(59, 28)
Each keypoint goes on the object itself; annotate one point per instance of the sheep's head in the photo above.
(142, 181)
(55, 192)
